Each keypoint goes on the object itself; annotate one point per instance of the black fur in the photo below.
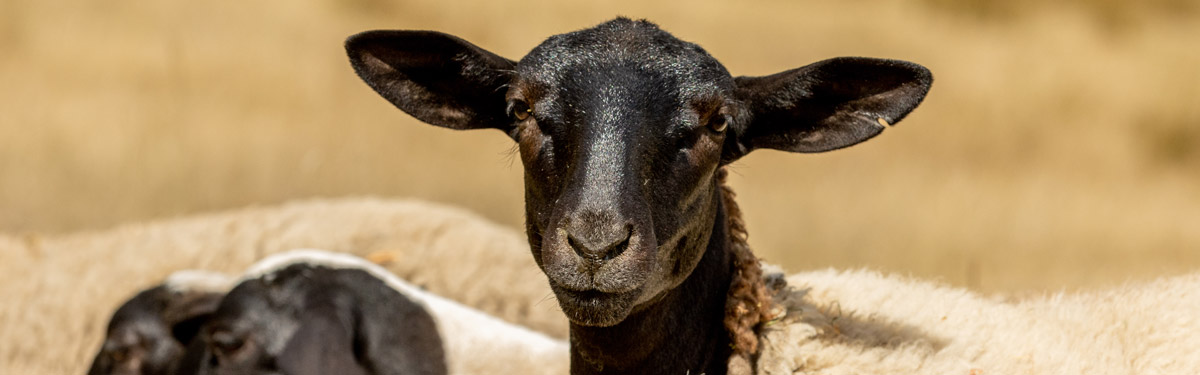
(621, 130)
(310, 320)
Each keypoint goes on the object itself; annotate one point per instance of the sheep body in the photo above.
(865, 322)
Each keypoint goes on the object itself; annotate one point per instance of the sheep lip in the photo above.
(591, 294)
(594, 292)
(596, 284)
(595, 308)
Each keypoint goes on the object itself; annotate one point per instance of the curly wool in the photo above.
(749, 304)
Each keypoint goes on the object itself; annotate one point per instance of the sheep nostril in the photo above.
(600, 247)
(575, 245)
(619, 247)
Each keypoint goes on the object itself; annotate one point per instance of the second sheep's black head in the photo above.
(148, 333)
(310, 319)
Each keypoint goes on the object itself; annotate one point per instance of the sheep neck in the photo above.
(748, 304)
(683, 331)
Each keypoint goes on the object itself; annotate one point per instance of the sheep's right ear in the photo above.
(324, 344)
(435, 77)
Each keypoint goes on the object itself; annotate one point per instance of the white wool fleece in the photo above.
(865, 322)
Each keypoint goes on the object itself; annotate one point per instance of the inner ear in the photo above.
(188, 312)
(827, 105)
(435, 77)
(187, 329)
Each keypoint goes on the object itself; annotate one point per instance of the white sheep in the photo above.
(68, 285)
(314, 311)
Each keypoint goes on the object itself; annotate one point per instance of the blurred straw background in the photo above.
(1059, 148)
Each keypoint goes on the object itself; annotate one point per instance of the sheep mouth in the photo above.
(595, 308)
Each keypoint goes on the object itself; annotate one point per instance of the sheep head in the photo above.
(621, 129)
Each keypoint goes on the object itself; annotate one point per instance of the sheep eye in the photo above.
(519, 110)
(120, 355)
(225, 342)
(719, 122)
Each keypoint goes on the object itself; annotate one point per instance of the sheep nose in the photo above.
(598, 236)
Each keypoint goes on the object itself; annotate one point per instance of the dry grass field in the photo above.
(1058, 149)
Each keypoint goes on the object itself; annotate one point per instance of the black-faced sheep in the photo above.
(624, 132)
(317, 312)
(147, 335)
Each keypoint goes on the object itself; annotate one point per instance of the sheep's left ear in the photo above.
(324, 344)
(825, 106)
(187, 312)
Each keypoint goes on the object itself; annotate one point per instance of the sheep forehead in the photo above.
(624, 43)
(197, 281)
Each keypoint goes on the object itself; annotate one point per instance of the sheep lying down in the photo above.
(317, 312)
(864, 322)
(147, 334)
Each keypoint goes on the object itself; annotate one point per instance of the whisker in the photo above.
(548, 297)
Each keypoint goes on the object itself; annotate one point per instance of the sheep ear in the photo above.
(186, 313)
(323, 344)
(435, 77)
(827, 105)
